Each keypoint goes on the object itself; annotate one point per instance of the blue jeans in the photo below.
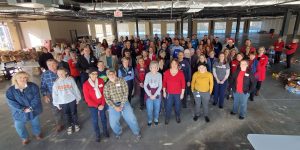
(240, 102)
(21, 128)
(153, 107)
(95, 112)
(129, 117)
(171, 99)
(219, 92)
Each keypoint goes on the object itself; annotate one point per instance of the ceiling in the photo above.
(146, 10)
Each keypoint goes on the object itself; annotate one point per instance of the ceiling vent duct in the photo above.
(30, 3)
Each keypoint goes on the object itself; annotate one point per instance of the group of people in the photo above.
(165, 73)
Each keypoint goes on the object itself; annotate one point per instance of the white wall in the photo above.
(276, 24)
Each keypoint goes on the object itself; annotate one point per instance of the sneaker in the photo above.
(178, 120)
(241, 118)
(39, 137)
(69, 130)
(106, 134)
(138, 138)
(166, 121)
(118, 137)
(195, 118)
(221, 107)
(25, 141)
(207, 119)
(214, 103)
(232, 113)
(156, 123)
(77, 128)
(149, 124)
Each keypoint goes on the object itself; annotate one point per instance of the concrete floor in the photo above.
(275, 111)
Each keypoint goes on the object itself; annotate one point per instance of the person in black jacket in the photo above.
(185, 66)
(85, 62)
(44, 57)
(242, 83)
(61, 63)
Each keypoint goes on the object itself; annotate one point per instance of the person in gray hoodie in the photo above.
(66, 96)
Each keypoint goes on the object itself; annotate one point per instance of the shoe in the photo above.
(178, 120)
(251, 99)
(156, 123)
(256, 93)
(141, 107)
(214, 104)
(106, 134)
(195, 118)
(241, 118)
(232, 113)
(59, 128)
(69, 130)
(166, 121)
(25, 141)
(97, 139)
(39, 137)
(221, 107)
(118, 137)
(138, 138)
(149, 124)
(207, 119)
(227, 97)
(77, 128)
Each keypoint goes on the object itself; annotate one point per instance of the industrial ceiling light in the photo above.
(195, 7)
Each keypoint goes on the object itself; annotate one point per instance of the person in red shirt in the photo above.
(94, 97)
(242, 83)
(140, 72)
(152, 55)
(173, 90)
(261, 68)
(236, 62)
(146, 58)
(248, 48)
(278, 46)
(290, 51)
(73, 70)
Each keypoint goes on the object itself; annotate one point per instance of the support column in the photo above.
(20, 34)
(285, 24)
(115, 28)
(228, 28)
(190, 26)
(296, 27)
(246, 26)
(181, 27)
(137, 26)
(237, 29)
(211, 27)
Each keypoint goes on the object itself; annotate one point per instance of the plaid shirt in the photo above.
(47, 81)
(116, 93)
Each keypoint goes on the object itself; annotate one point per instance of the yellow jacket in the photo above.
(202, 82)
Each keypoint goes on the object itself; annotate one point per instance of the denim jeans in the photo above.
(129, 117)
(21, 128)
(219, 93)
(171, 99)
(240, 103)
(95, 112)
(153, 108)
(70, 112)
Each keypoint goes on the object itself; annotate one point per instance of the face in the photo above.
(174, 65)
(111, 76)
(67, 50)
(162, 54)
(127, 54)
(125, 63)
(153, 68)
(100, 66)
(61, 73)
(127, 44)
(52, 66)
(252, 57)
(176, 42)
(150, 50)
(232, 53)
(180, 56)
(239, 57)
(243, 65)
(22, 80)
(202, 58)
(261, 51)
(86, 51)
(93, 75)
(230, 42)
(202, 69)
(221, 57)
(211, 54)
(73, 55)
(45, 50)
(248, 43)
(141, 62)
(59, 58)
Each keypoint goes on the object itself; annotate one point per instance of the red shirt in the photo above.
(140, 73)
(147, 61)
(173, 84)
(240, 82)
(292, 48)
(278, 46)
(73, 70)
(234, 65)
(90, 95)
(252, 49)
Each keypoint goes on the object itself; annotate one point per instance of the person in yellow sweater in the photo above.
(202, 87)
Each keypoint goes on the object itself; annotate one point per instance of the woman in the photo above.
(24, 100)
(153, 86)
(221, 71)
(242, 83)
(104, 44)
(202, 87)
(163, 62)
(127, 73)
(152, 55)
(73, 70)
(261, 68)
(140, 73)
(290, 51)
(202, 59)
(173, 90)
(94, 97)
(278, 47)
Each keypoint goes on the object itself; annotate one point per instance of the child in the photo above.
(141, 71)
(253, 62)
(102, 71)
(62, 63)
(66, 96)
(271, 55)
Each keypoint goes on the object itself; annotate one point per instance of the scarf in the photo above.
(95, 86)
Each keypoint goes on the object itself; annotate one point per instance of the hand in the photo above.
(165, 94)
(181, 96)
(87, 71)
(222, 82)
(47, 99)
(118, 109)
(152, 97)
(188, 84)
(59, 108)
(77, 102)
(141, 85)
(27, 110)
(100, 107)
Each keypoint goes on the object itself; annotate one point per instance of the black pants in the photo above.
(252, 93)
(142, 99)
(277, 57)
(258, 85)
(130, 88)
(288, 60)
(70, 112)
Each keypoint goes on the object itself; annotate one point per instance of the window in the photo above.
(142, 29)
(5, 39)
(171, 29)
(202, 28)
(89, 29)
(185, 29)
(99, 31)
(255, 26)
(233, 27)
(109, 35)
(220, 27)
(123, 29)
(157, 29)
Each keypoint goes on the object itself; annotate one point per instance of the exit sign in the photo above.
(118, 13)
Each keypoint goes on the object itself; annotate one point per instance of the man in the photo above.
(168, 38)
(116, 97)
(195, 41)
(165, 48)
(230, 45)
(131, 50)
(204, 40)
(248, 48)
(110, 61)
(44, 57)
(85, 62)
(185, 66)
(47, 81)
(217, 46)
(176, 49)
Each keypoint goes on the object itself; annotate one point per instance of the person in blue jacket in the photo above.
(253, 62)
(185, 66)
(24, 101)
(211, 59)
(127, 73)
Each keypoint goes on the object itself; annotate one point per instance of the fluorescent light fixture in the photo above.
(30, 5)
(193, 10)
